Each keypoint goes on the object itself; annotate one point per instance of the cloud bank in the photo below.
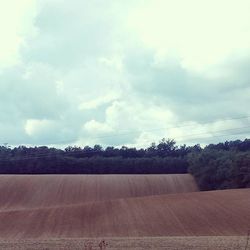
(123, 72)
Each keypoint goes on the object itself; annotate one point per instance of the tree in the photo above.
(166, 147)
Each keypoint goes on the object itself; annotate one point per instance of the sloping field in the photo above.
(128, 211)
(215, 213)
(37, 191)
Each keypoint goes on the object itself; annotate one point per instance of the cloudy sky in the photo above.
(117, 72)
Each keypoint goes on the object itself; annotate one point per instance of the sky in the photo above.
(121, 72)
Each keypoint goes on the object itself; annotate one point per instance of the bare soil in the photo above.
(128, 211)
(31, 191)
(217, 213)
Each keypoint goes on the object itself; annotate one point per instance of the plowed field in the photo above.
(162, 211)
(191, 214)
(29, 191)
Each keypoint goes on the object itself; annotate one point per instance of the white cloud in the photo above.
(128, 122)
(35, 127)
(97, 102)
(16, 22)
(201, 33)
(95, 128)
(113, 62)
(127, 72)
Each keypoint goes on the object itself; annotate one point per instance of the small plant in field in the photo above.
(103, 244)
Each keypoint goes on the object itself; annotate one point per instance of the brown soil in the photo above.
(30, 191)
(214, 213)
(129, 211)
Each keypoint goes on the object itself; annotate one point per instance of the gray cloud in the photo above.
(73, 33)
(191, 96)
(85, 77)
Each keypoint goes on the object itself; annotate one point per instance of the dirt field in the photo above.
(156, 243)
(129, 211)
(30, 191)
(188, 214)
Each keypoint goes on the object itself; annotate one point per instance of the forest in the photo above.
(215, 166)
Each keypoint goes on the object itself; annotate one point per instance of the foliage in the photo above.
(221, 166)
(164, 158)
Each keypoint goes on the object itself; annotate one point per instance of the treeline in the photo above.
(165, 157)
(217, 166)
(222, 166)
(96, 165)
